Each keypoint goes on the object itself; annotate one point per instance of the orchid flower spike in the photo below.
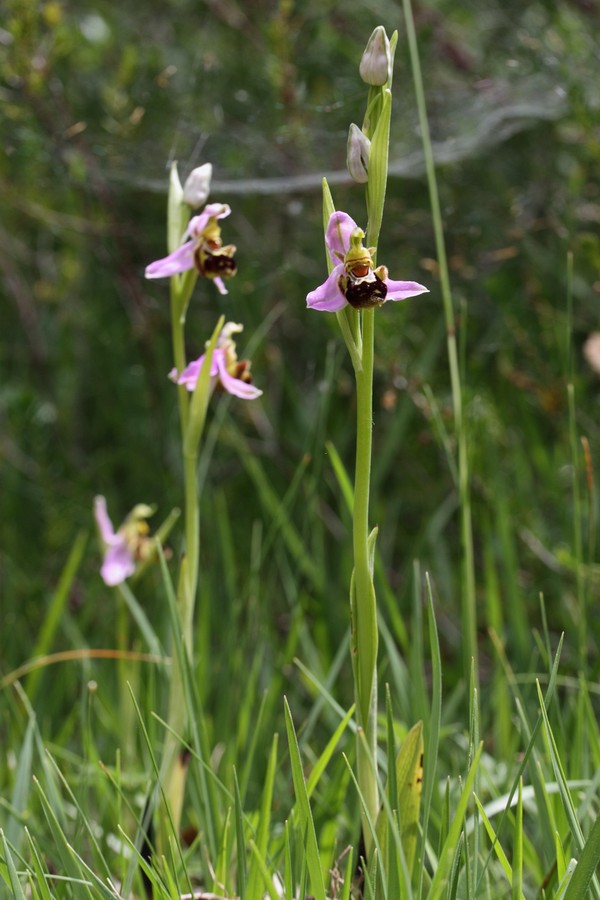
(203, 249)
(227, 372)
(354, 278)
(127, 546)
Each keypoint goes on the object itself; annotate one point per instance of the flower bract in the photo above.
(126, 546)
(354, 279)
(202, 249)
(227, 371)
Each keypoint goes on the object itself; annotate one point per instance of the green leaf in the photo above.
(501, 855)
(201, 396)
(409, 779)
(586, 866)
(517, 868)
(22, 786)
(264, 821)
(15, 884)
(38, 868)
(378, 170)
(239, 837)
(56, 610)
(303, 806)
(441, 877)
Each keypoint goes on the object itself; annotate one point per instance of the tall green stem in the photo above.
(364, 603)
(171, 773)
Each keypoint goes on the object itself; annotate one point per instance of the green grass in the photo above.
(485, 444)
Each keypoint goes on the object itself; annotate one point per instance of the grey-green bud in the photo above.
(376, 61)
(357, 156)
(197, 186)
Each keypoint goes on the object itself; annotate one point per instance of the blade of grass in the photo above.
(13, 876)
(38, 868)
(141, 620)
(500, 854)
(517, 868)
(264, 821)
(68, 864)
(242, 880)
(469, 611)
(432, 732)
(586, 865)
(441, 876)
(56, 609)
(565, 794)
(21, 788)
(321, 763)
(303, 805)
(264, 871)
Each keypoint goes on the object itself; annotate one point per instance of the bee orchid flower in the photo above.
(127, 546)
(227, 371)
(354, 279)
(202, 249)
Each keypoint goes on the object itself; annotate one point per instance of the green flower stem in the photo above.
(365, 639)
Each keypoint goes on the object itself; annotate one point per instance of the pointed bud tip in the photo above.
(376, 61)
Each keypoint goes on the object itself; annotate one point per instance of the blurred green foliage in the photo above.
(97, 100)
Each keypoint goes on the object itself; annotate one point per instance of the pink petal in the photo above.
(212, 210)
(118, 564)
(235, 386)
(328, 297)
(337, 237)
(105, 526)
(401, 290)
(180, 260)
(189, 376)
(220, 284)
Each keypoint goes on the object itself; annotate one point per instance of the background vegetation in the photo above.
(97, 100)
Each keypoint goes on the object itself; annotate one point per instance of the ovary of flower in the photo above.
(354, 279)
(226, 371)
(126, 546)
(202, 249)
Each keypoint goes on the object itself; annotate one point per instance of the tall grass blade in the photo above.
(441, 877)
(432, 732)
(56, 609)
(141, 620)
(21, 788)
(242, 880)
(321, 763)
(565, 794)
(68, 865)
(265, 873)
(13, 876)
(517, 867)
(587, 864)
(38, 868)
(313, 861)
(264, 821)
(500, 854)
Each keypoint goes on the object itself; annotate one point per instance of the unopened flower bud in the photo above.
(376, 61)
(197, 186)
(357, 156)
